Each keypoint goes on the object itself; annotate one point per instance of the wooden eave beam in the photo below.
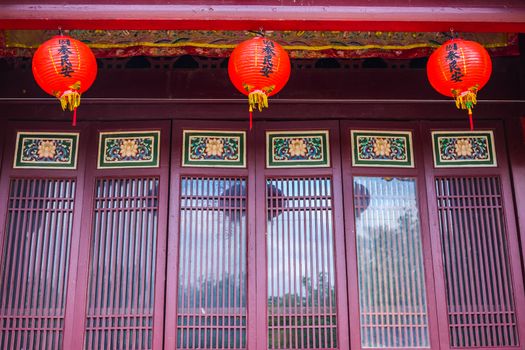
(509, 17)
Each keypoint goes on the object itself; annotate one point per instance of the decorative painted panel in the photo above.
(46, 150)
(382, 148)
(288, 149)
(463, 149)
(206, 148)
(128, 149)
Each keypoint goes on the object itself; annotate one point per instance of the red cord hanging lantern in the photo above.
(459, 69)
(65, 68)
(259, 68)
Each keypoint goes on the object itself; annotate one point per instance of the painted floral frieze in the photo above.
(463, 149)
(204, 148)
(46, 150)
(297, 149)
(382, 148)
(128, 149)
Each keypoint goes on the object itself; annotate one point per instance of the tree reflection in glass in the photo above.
(392, 296)
(301, 272)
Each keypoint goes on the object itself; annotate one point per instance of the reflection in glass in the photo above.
(301, 273)
(392, 296)
(211, 306)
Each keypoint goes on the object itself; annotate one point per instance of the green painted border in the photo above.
(187, 162)
(438, 163)
(103, 136)
(356, 162)
(324, 163)
(21, 135)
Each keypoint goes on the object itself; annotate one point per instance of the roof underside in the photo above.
(327, 15)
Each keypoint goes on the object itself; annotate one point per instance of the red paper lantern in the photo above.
(259, 68)
(65, 68)
(459, 69)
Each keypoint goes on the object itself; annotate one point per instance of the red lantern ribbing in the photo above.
(259, 68)
(459, 69)
(65, 68)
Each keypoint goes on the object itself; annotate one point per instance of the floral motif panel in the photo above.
(382, 148)
(463, 149)
(46, 150)
(128, 149)
(208, 148)
(288, 149)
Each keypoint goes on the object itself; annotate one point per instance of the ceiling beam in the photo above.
(482, 17)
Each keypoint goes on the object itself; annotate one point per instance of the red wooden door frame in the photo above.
(417, 173)
(503, 172)
(76, 340)
(176, 173)
(333, 172)
(8, 172)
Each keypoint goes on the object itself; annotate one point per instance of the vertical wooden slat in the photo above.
(35, 263)
(471, 212)
(120, 299)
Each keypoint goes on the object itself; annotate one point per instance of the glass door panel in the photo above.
(392, 294)
(211, 306)
(302, 311)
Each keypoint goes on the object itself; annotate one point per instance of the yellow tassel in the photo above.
(257, 99)
(466, 99)
(69, 100)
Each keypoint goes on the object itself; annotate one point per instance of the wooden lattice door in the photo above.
(40, 215)
(301, 301)
(210, 278)
(120, 290)
(391, 288)
(479, 286)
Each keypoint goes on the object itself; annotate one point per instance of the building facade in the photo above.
(358, 212)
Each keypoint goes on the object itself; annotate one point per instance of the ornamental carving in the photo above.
(297, 149)
(46, 150)
(382, 148)
(463, 149)
(203, 148)
(129, 149)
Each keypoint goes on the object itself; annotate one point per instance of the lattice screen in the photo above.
(35, 262)
(301, 272)
(122, 265)
(477, 268)
(392, 293)
(211, 306)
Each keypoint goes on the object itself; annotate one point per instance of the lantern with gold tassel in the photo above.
(65, 68)
(459, 69)
(259, 68)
